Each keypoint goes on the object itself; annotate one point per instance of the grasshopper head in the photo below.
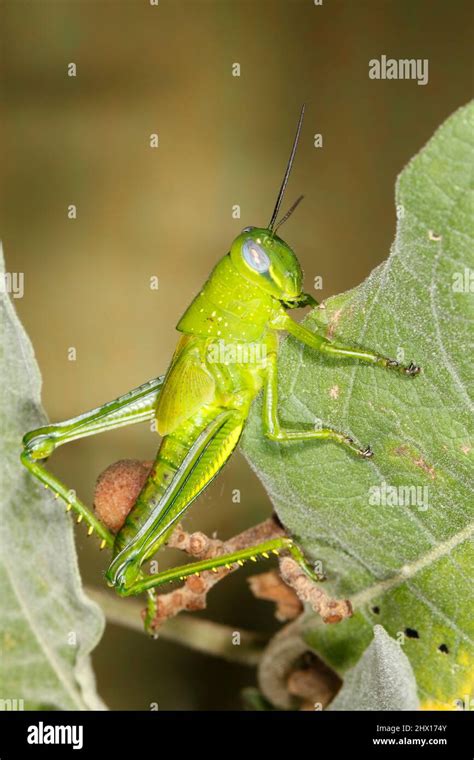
(268, 262)
(262, 257)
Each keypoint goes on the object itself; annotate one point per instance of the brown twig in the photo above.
(271, 587)
(331, 610)
(192, 595)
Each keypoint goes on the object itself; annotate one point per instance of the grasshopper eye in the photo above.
(255, 256)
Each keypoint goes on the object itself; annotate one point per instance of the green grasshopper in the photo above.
(202, 403)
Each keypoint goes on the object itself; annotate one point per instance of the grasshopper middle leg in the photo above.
(273, 430)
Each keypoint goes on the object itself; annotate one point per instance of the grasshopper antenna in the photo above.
(288, 213)
(287, 172)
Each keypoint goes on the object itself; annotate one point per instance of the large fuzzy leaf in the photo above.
(407, 565)
(382, 679)
(47, 625)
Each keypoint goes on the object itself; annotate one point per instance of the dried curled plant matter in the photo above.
(116, 491)
(314, 684)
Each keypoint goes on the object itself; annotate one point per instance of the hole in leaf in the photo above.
(410, 633)
(443, 648)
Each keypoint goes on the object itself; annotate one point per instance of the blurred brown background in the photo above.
(167, 212)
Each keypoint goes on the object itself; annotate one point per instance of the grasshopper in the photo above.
(202, 402)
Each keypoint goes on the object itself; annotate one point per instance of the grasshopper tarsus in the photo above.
(413, 369)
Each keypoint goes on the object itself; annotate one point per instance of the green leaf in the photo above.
(383, 679)
(47, 625)
(406, 565)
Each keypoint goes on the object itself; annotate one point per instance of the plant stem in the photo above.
(201, 635)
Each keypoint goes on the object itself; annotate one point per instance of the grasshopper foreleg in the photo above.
(339, 350)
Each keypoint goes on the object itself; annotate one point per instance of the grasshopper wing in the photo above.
(187, 387)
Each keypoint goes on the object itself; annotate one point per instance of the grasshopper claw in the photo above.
(412, 369)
